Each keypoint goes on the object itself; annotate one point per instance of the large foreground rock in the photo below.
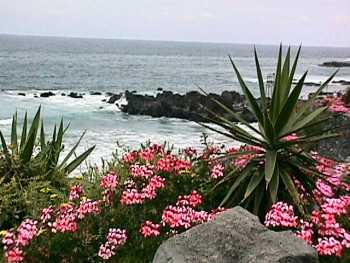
(235, 236)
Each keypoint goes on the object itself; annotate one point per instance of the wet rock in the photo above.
(21, 94)
(114, 98)
(63, 94)
(337, 64)
(159, 89)
(95, 93)
(75, 95)
(235, 236)
(192, 106)
(47, 94)
(341, 82)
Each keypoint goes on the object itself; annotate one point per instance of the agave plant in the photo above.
(47, 154)
(274, 173)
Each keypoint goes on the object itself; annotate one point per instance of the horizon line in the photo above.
(165, 40)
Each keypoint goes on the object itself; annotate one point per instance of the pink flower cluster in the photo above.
(132, 196)
(336, 104)
(281, 215)
(88, 207)
(66, 220)
(241, 161)
(76, 192)
(142, 171)
(326, 230)
(150, 229)
(110, 181)
(115, 239)
(15, 242)
(217, 171)
(183, 215)
(194, 199)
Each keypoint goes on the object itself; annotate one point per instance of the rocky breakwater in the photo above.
(192, 106)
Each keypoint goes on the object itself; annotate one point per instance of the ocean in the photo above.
(32, 65)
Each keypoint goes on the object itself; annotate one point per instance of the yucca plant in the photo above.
(47, 152)
(30, 166)
(272, 175)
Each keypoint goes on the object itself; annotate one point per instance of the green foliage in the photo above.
(271, 175)
(31, 174)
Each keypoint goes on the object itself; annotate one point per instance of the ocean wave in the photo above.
(5, 122)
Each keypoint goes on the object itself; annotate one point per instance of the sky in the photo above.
(311, 22)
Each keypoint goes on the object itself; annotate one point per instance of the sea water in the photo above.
(32, 65)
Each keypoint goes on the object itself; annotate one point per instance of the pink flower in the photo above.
(194, 199)
(217, 171)
(110, 181)
(47, 214)
(182, 165)
(76, 192)
(149, 229)
(281, 215)
(66, 220)
(190, 152)
(88, 207)
(130, 157)
(142, 171)
(329, 247)
(14, 255)
(132, 197)
(115, 239)
(26, 232)
(166, 164)
(291, 137)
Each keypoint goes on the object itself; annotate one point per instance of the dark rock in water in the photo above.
(47, 94)
(21, 94)
(104, 100)
(95, 93)
(109, 94)
(75, 95)
(235, 236)
(159, 89)
(191, 106)
(342, 82)
(63, 94)
(114, 98)
(337, 64)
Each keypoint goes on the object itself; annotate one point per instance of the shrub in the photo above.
(145, 197)
(32, 175)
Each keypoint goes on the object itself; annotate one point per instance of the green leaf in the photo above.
(240, 178)
(3, 143)
(303, 122)
(72, 151)
(76, 162)
(258, 197)
(42, 136)
(261, 82)
(289, 184)
(274, 185)
(289, 107)
(275, 102)
(311, 100)
(14, 133)
(291, 76)
(249, 96)
(24, 131)
(270, 163)
(28, 148)
(253, 183)
(284, 87)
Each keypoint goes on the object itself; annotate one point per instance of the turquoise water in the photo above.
(34, 64)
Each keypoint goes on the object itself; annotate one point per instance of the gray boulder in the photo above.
(234, 236)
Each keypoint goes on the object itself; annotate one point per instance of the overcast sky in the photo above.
(312, 22)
